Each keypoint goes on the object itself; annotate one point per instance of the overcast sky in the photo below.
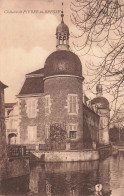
(26, 39)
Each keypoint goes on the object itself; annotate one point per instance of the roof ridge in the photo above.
(38, 71)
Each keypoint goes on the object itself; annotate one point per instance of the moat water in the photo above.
(70, 179)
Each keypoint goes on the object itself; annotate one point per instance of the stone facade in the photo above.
(90, 127)
(66, 156)
(26, 122)
(104, 126)
(59, 88)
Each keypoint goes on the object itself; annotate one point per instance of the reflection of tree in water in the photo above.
(64, 178)
(104, 174)
(68, 179)
(59, 184)
(19, 185)
(81, 182)
(72, 183)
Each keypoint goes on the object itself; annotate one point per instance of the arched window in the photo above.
(12, 138)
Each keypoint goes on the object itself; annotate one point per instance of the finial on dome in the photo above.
(62, 14)
(62, 35)
(99, 89)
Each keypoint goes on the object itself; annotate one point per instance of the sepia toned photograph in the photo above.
(61, 97)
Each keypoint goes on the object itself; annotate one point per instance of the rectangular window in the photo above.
(72, 134)
(31, 108)
(72, 104)
(32, 134)
(72, 131)
(47, 104)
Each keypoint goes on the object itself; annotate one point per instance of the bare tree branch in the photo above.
(101, 27)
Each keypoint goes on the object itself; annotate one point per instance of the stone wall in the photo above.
(66, 156)
(90, 127)
(59, 88)
(104, 126)
(105, 151)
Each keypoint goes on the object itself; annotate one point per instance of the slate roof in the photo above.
(9, 105)
(62, 28)
(85, 99)
(63, 62)
(3, 85)
(85, 107)
(101, 102)
(32, 85)
(39, 71)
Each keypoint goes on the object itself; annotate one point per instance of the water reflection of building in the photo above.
(33, 186)
(15, 186)
(117, 174)
(48, 188)
(104, 174)
(70, 178)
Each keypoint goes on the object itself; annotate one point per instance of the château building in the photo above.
(50, 111)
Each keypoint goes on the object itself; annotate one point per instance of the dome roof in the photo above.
(62, 28)
(63, 62)
(101, 102)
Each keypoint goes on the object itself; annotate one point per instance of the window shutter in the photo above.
(72, 103)
(33, 108)
(47, 131)
(47, 104)
(32, 134)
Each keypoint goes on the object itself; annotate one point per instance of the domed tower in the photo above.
(104, 113)
(63, 90)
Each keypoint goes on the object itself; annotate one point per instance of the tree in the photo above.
(101, 25)
(57, 137)
(114, 134)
